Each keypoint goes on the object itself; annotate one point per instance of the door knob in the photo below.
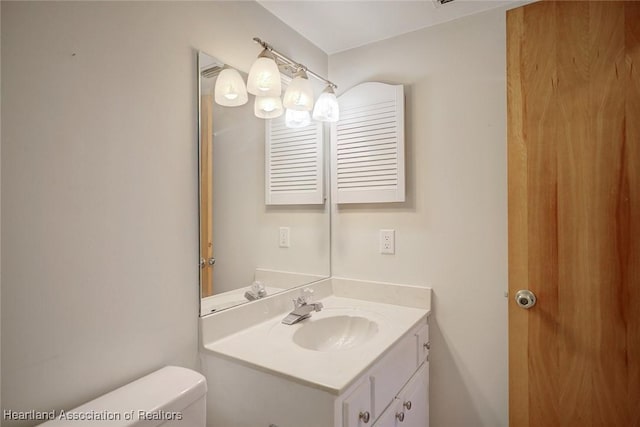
(525, 298)
(205, 262)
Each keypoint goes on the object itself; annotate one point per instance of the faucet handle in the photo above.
(305, 297)
(257, 287)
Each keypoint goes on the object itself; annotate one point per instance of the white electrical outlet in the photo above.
(388, 241)
(283, 240)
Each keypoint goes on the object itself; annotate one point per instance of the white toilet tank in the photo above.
(169, 397)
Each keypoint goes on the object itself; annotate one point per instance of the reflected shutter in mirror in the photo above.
(294, 164)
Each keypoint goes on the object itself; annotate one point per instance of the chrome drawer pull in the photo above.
(364, 416)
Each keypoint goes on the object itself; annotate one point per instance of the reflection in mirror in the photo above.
(248, 248)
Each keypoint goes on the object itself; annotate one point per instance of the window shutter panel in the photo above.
(367, 145)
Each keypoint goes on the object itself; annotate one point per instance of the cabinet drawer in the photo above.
(414, 400)
(393, 371)
(357, 407)
(423, 344)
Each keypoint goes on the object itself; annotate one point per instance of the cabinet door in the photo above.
(388, 417)
(393, 372)
(423, 343)
(414, 400)
(357, 407)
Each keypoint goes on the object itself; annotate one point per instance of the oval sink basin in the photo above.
(335, 333)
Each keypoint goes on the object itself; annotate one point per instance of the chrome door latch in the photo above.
(525, 299)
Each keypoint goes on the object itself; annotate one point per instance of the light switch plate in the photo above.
(388, 242)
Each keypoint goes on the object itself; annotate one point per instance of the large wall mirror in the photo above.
(249, 247)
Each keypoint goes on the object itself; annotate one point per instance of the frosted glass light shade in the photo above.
(230, 90)
(268, 107)
(299, 94)
(264, 76)
(297, 119)
(327, 109)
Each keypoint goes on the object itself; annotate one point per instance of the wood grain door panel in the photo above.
(206, 193)
(574, 213)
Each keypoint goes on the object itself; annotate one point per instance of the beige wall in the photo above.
(451, 234)
(99, 186)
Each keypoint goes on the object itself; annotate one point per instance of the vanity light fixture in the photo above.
(268, 107)
(265, 82)
(264, 76)
(327, 108)
(299, 94)
(230, 90)
(295, 119)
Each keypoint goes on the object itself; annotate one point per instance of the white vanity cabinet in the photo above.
(355, 363)
(243, 396)
(398, 392)
(410, 408)
(395, 391)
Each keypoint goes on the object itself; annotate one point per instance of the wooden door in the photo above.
(574, 213)
(206, 194)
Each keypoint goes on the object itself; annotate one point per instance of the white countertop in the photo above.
(269, 346)
(229, 299)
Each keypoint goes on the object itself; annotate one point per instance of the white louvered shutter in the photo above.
(294, 159)
(367, 145)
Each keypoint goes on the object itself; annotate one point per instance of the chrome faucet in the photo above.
(302, 308)
(256, 291)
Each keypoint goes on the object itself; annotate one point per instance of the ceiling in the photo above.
(335, 26)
